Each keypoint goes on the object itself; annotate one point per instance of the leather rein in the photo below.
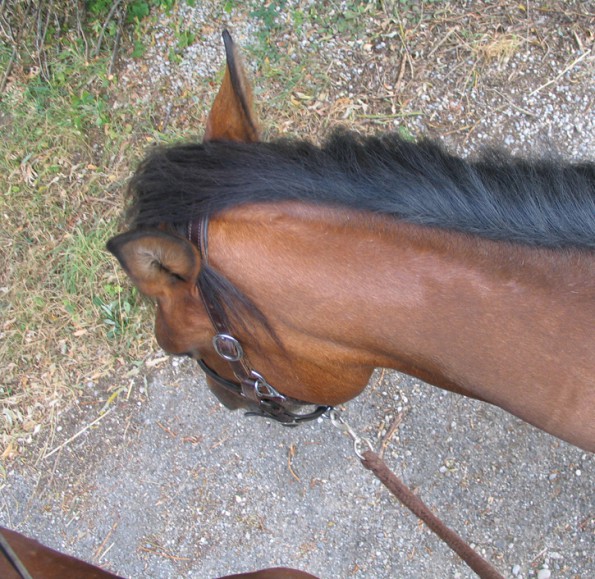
(270, 403)
(251, 385)
(13, 559)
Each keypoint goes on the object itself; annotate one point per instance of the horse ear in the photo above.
(155, 261)
(231, 117)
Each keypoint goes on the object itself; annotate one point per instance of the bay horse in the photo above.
(41, 562)
(317, 264)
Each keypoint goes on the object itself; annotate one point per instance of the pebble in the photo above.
(544, 574)
(516, 569)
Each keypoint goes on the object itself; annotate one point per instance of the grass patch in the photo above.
(67, 314)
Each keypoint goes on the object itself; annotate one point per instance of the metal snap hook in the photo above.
(263, 388)
(361, 444)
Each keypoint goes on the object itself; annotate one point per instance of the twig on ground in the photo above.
(15, 39)
(110, 14)
(8, 70)
(390, 433)
(167, 430)
(82, 431)
(290, 456)
(99, 553)
(42, 30)
(162, 553)
(516, 107)
(401, 73)
(562, 73)
(442, 41)
(81, 30)
(112, 63)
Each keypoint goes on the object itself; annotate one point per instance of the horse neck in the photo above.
(476, 317)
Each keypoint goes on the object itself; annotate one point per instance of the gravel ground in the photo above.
(170, 484)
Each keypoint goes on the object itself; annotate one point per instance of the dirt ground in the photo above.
(167, 483)
(170, 484)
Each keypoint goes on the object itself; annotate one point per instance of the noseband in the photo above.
(251, 385)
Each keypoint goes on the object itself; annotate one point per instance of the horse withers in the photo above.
(292, 270)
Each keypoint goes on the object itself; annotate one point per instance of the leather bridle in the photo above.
(251, 385)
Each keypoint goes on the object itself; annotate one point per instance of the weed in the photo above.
(135, 10)
(116, 315)
(229, 6)
(265, 45)
(185, 39)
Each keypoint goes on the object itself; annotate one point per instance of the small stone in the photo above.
(544, 574)
(516, 569)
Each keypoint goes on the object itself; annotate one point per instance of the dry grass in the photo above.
(501, 48)
(68, 316)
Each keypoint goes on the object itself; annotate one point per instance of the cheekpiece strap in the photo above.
(251, 385)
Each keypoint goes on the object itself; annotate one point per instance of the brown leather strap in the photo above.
(251, 385)
(194, 232)
(198, 233)
(374, 463)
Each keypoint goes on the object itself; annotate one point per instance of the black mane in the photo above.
(534, 202)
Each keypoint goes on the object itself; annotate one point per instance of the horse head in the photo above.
(166, 265)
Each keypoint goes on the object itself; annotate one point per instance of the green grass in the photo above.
(91, 289)
(70, 137)
(67, 312)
